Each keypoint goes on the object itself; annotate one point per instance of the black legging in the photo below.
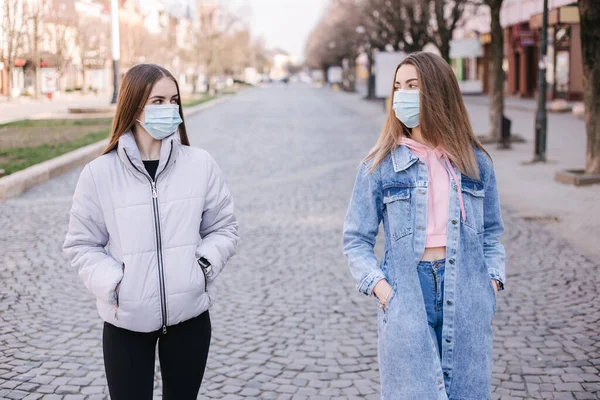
(129, 360)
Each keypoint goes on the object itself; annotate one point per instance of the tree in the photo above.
(497, 73)
(93, 39)
(447, 15)
(62, 28)
(214, 24)
(34, 14)
(139, 45)
(589, 14)
(349, 27)
(14, 27)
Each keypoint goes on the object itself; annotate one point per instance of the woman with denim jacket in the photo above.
(151, 227)
(433, 185)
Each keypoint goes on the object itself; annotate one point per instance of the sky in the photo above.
(286, 24)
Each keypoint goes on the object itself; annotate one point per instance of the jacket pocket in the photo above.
(473, 196)
(386, 311)
(397, 203)
(204, 277)
(117, 291)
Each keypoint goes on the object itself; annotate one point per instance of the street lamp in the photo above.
(116, 50)
(541, 121)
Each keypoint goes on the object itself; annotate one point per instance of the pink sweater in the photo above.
(438, 201)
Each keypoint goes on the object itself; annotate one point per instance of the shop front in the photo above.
(522, 58)
(465, 55)
(564, 61)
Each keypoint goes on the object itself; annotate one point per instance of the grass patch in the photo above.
(194, 102)
(49, 123)
(34, 133)
(29, 142)
(18, 158)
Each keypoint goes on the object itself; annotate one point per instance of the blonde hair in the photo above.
(444, 120)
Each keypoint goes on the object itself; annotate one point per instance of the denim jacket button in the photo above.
(449, 302)
(454, 222)
(448, 340)
(446, 373)
(451, 261)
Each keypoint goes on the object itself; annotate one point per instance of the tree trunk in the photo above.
(36, 57)
(445, 50)
(9, 83)
(194, 83)
(589, 14)
(352, 75)
(371, 78)
(496, 73)
(84, 89)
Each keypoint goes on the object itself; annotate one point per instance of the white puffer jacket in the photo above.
(146, 236)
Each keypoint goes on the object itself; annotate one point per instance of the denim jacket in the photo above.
(396, 193)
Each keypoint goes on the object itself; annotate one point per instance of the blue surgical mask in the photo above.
(161, 120)
(407, 106)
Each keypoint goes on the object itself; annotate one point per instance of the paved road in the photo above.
(288, 323)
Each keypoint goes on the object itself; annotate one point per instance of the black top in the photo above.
(151, 167)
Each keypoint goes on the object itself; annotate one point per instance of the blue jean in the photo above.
(431, 277)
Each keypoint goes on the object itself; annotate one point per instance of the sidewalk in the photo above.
(530, 190)
(29, 108)
(512, 103)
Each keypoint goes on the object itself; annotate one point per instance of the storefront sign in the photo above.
(385, 66)
(465, 48)
(335, 74)
(524, 37)
(48, 80)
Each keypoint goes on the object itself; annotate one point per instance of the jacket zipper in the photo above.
(161, 273)
(435, 283)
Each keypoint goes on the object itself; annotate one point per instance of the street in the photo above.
(288, 322)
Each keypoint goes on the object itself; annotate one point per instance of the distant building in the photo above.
(280, 63)
(522, 23)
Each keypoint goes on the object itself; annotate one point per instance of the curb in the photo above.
(16, 184)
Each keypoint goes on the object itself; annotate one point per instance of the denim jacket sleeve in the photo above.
(493, 250)
(361, 227)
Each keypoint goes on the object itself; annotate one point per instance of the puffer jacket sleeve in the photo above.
(86, 240)
(361, 226)
(219, 227)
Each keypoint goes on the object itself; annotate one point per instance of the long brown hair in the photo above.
(135, 90)
(444, 120)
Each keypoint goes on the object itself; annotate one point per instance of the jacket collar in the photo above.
(402, 158)
(130, 154)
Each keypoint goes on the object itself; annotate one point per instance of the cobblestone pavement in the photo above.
(288, 323)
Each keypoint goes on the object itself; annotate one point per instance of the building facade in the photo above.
(522, 24)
